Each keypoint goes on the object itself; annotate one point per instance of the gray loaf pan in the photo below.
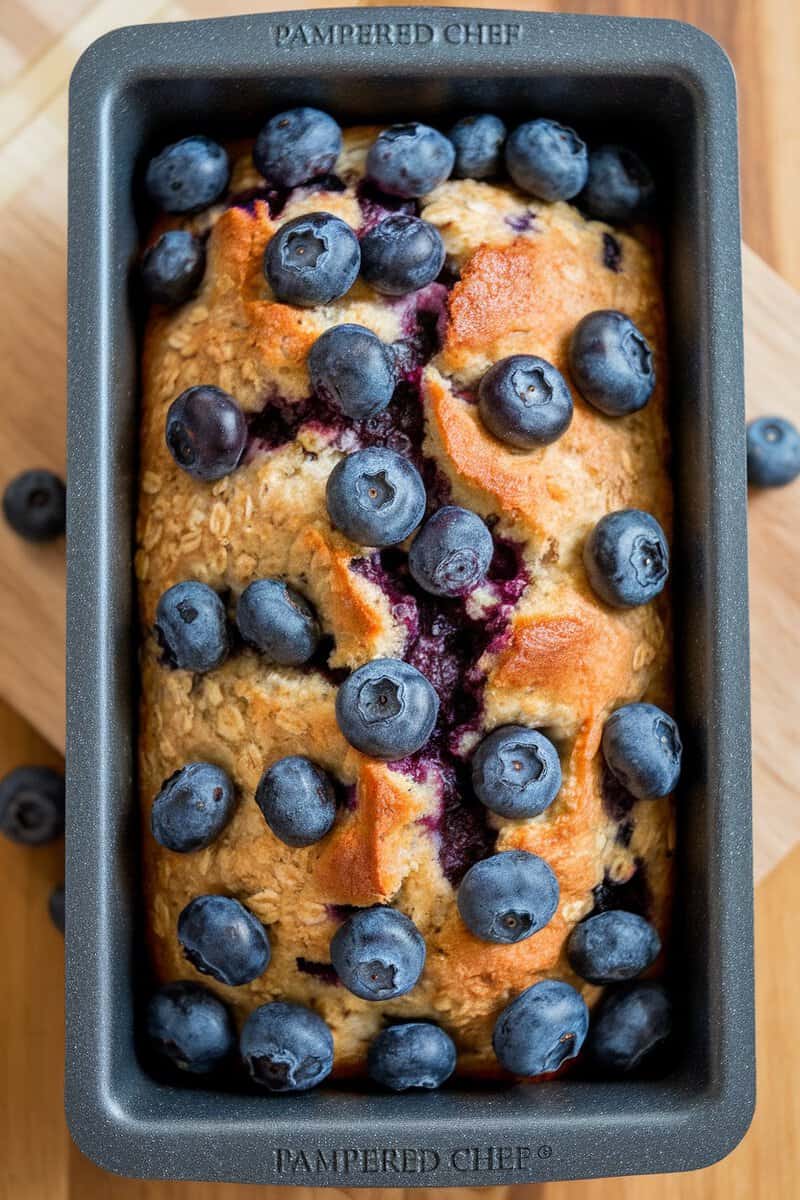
(661, 85)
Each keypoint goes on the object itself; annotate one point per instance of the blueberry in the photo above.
(173, 268)
(35, 505)
(56, 907)
(378, 953)
(278, 621)
(628, 1024)
(642, 748)
(478, 143)
(773, 452)
(32, 805)
(193, 807)
(191, 627)
(206, 432)
(525, 402)
(401, 254)
(297, 800)
(611, 363)
(627, 558)
(451, 553)
(223, 939)
(311, 260)
(387, 709)
(612, 946)
(547, 160)
(297, 145)
(286, 1047)
(409, 160)
(353, 370)
(516, 772)
(190, 1027)
(416, 1055)
(188, 176)
(619, 186)
(375, 497)
(542, 1028)
(508, 897)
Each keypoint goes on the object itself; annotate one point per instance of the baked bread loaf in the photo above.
(531, 645)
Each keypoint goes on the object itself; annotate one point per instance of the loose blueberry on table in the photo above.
(627, 558)
(516, 772)
(773, 452)
(387, 709)
(612, 946)
(297, 800)
(193, 807)
(190, 1027)
(222, 938)
(541, 1029)
(416, 1055)
(628, 1025)
(35, 505)
(206, 432)
(192, 627)
(508, 897)
(378, 953)
(32, 805)
(525, 402)
(286, 1047)
(278, 621)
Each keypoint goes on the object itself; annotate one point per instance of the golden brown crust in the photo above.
(564, 661)
(363, 861)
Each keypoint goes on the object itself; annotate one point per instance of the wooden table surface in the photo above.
(39, 41)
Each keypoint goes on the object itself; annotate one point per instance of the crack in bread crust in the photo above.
(563, 663)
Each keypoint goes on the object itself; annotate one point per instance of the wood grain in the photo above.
(39, 41)
(33, 1138)
(772, 357)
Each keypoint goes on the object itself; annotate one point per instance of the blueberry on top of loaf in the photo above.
(402, 544)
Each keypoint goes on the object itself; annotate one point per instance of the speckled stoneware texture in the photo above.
(656, 83)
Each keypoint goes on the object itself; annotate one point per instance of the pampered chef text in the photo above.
(396, 33)
(381, 1160)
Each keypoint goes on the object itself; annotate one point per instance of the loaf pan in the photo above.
(658, 84)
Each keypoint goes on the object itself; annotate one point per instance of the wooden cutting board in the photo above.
(32, 342)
